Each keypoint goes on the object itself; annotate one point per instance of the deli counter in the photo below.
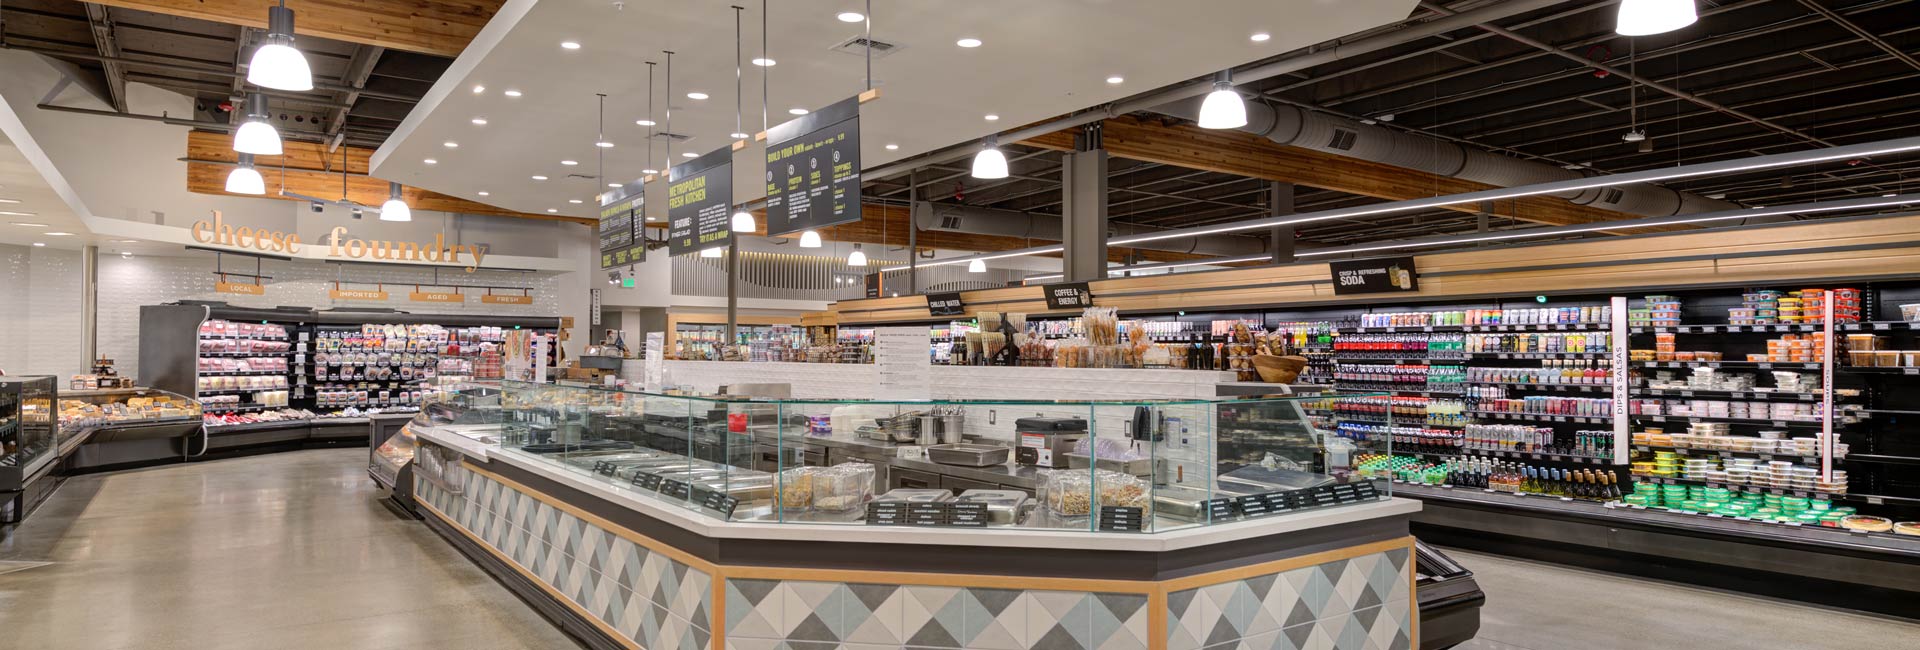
(649, 520)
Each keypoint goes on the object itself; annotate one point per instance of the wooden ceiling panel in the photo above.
(438, 27)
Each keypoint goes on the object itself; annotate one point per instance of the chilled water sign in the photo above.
(700, 203)
(813, 170)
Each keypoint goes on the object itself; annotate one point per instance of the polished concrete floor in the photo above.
(286, 551)
(292, 551)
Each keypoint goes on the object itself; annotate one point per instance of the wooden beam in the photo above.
(1245, 154)
(438, 27)
(311, 170)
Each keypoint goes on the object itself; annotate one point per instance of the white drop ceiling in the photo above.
(26, 198)
(1038, 60)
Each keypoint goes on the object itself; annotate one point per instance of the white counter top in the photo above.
(704, 525)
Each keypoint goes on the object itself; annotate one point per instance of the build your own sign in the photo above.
(813, 170)
(338, 244)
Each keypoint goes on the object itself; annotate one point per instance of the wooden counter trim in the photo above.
(542, 584)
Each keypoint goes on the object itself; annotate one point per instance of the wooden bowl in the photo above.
(1277, 369)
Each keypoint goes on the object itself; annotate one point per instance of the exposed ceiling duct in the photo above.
(1339, 136)
(948, 217)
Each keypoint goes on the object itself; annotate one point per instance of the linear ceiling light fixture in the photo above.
(244, 179)
(1808, 157)
(276, 64)
(257, 135)
(1649, 17)
(395, 209)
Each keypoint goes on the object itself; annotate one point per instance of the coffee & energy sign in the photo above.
(339, 244)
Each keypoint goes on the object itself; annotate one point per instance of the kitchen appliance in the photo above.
(1045, 442)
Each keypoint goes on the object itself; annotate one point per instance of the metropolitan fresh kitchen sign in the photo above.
(339, 245)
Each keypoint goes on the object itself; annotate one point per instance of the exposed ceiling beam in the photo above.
(439, 27)
(1837, 19)
(358, 69)
(309, 169)
(1246, 154)
(105, 41)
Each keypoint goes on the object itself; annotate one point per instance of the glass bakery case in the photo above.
(1118, 466)
(86, 410)
(28, 437)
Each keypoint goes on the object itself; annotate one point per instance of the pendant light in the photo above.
(1648, 17)
(244, 179)
(990, 163)
(395, 209)
(256, 134)
(275, 63)
(1223, 108)
(742, 219)
(857, 258)
(977, 266)
(711, 252)
(810, 239)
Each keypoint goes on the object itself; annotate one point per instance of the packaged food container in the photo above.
(796, 488)
(842, 487)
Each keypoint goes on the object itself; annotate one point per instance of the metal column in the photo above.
(89, 306)
(733, 287)
(1280, 204)
(913, 233)
(1083, 177)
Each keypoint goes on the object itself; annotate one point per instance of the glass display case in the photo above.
(1110, 466)
(469, 409)
(27, 430)
(85, 410)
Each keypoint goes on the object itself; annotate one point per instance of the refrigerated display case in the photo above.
(113, 427)
(29, 443)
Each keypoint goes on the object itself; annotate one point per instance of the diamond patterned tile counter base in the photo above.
(636, 594)
(801, 615)
(1359, 603)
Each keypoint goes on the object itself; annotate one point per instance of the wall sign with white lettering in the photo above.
(700, 203)
(945, 304)
(1378, 275)
(813, 170)
(1071, 295)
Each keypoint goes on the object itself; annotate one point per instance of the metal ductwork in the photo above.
(1295, 127)
(1046, 227)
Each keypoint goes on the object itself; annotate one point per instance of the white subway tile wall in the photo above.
(128, 283)
(40, 317)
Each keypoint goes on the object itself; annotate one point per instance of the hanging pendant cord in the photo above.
(669, 165)
(869, 40)
(650, 65)
(738, 99)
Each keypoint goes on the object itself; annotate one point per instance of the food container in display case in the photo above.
(1003, 506)
(1078, 493)
(969, 455)
(796, 489)
(843, 487)
(915, 495)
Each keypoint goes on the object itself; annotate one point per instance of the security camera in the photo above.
(317, 206)
(358, 213)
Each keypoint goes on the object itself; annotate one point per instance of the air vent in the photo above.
(1613, 196)
(1342, 139)
(949, 223)
(858, 46)
(676, 137)
(585, 176)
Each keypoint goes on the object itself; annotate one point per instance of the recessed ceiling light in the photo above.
(649, 171)
(1260, 37)
(603, 144)
(796, 111)
(16, 214)
(891, 147)
(512, 93)
(696, 95)
(29, 225)
(569, 45)
(689, 154)
(43, 244)
(644, 122)
(431, 161)
(450, 144)
(126, 241)
(59, 234)
(613, 185)
(480, 121)
(968, 42)
(538, 177)
(553, 209)
(569, 163)
(738, 136)
(575, 201)
(477, 89)
(851, 16)
(650, 218)
(485, 193)
(991, 117)
(1116, 79)
(765, 63)
(1888, 195)
(9, 200)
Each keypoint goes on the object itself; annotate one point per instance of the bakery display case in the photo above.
(29, 440)
(111, 427)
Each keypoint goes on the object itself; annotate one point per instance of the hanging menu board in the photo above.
(700, 203)
(623, 240)
(1378, 275)
(813, 170)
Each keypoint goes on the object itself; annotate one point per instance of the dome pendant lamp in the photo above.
(395, 209)
(1648, 17)
(244, 179)
(711, 252)
(990, 163)
(275, 63)
(857, 257)
(743, 222)
(1223, 108)
(810, 239)
(977, 266)
(257, 135)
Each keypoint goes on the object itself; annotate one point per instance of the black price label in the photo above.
(647, 481)
(1071, 295)
(700, 203)
(945, 304)
(719, 502)
(813, 170)
(1220, 508)
(673, 489)
(1378, 275)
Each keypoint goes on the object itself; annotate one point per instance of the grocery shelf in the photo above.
(1539, 417)
(1400, 329)
(240, 373)
(1580, 388)
(1535, 455)
(237, 391)
(1543, 327)
(1775, 396)
(1408, 421)
(1810, 460)
(1858, 370)
(1341, 358)
(1876, 326)
(241, 355)
(1749, 421)
(1539, 355)
(1728, 328)
(1756, 365)
(1736, 487)
(224, 337)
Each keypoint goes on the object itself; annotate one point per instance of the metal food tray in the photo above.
(968, 454)
(1136, 467)
(1184, 504)
(915, 495)
(1003, 506)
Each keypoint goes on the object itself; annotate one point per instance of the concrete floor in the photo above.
(292, 551)
(285, 551)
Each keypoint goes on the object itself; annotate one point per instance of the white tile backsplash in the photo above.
(40, 317)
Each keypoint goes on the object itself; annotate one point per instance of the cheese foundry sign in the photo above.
(339, 245)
